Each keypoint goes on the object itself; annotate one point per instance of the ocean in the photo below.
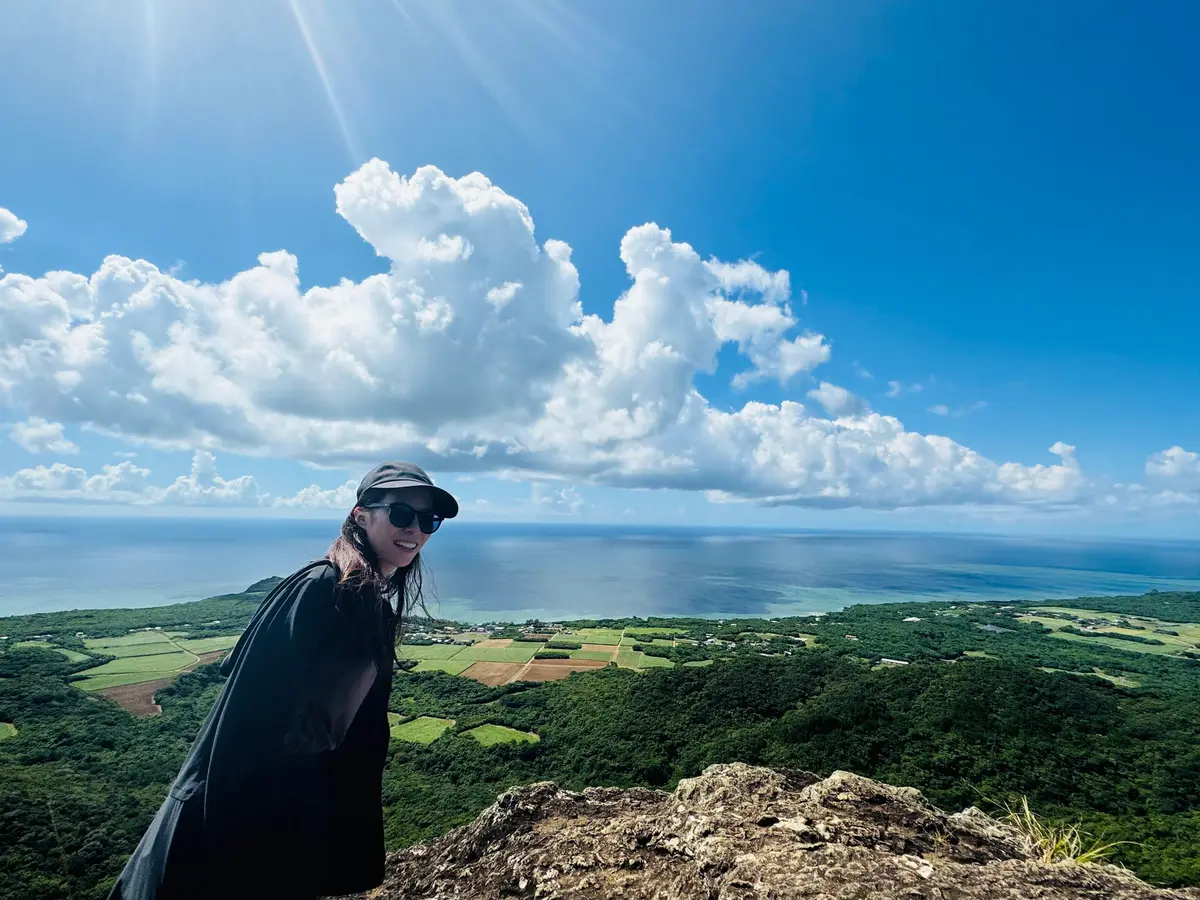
(513, 572)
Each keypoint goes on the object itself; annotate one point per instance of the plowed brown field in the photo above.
(493, 673)
(138, 699)
(553, 669)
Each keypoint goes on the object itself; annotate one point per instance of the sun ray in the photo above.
(318, 61)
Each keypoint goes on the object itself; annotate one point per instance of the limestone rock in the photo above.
(738, 832)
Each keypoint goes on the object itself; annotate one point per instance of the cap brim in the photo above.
(444, 503)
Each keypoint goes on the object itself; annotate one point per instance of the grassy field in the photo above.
(597, 636)
(126, 640)
(590, 654)
(518, 652)
(71, 655)
(431, 651)
(449, 666)
(1118, 644)
(394, 720)
(1171, 644)
(699, 663)
(635, 659)
(422, 730)
(160, 662)
(7, 730)
(637, 631)
(208, 645)
(655, 662)
(499, 734)
(100, 682)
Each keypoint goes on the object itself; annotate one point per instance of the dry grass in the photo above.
(1054, 843)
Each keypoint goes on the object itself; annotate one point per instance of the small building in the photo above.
(912, 619)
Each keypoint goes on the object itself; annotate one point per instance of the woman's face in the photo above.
(395, 547)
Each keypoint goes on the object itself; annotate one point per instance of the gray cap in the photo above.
(395, 476)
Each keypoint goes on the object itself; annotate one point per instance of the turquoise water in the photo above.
(514, 572)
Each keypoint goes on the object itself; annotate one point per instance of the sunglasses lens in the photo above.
(401, 516)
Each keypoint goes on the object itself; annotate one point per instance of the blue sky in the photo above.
(996, 208)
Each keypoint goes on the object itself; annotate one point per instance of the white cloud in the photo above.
(838, 401)
(941, 409)
(473, 354)
(312, 497)
(127, 483)
(898, 389)
(11, 227)
(561, 501)
(1175, 466)
(122, 483)
(861, 371)
(36, 435)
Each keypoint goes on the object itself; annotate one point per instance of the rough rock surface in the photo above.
(739, 831)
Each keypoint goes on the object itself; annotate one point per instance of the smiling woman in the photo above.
(281, 794)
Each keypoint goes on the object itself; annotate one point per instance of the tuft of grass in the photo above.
(1051, 842)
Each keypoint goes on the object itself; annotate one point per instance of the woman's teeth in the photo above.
(405, 545)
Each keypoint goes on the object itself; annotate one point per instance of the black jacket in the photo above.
(281, 794)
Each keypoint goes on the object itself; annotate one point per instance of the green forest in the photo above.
(973, 704)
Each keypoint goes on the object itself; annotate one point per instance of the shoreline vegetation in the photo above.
(1088, 709)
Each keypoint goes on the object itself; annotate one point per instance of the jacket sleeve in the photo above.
(293, 692)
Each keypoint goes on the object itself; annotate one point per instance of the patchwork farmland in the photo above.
(494, 661)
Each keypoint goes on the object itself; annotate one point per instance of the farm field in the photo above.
(497, 661)
(597, 636)
(553, 669)
(7, 730)
(394, 720)
(500, 734)
(71, 655)
(636, 631)
(1187, 637)
(519, 652)
(208, 645)
(605, 655)
(449, 666)
(421, 730)
(699, 663)
(126, 640)
(431, 651)
(493, 673)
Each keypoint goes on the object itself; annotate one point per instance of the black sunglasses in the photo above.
(401, 516)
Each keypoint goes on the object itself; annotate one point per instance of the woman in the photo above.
(280, 796)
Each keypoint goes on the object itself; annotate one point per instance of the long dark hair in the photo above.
(359, 574)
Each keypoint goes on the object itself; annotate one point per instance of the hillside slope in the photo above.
(740, 831)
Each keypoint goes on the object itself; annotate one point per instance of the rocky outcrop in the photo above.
(739, 831)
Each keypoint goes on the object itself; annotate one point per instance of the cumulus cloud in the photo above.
(838, 401)
(36, 435)
(126, 482)
(123, 482)
(473, 353)
(11, 227)
(313, 497)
